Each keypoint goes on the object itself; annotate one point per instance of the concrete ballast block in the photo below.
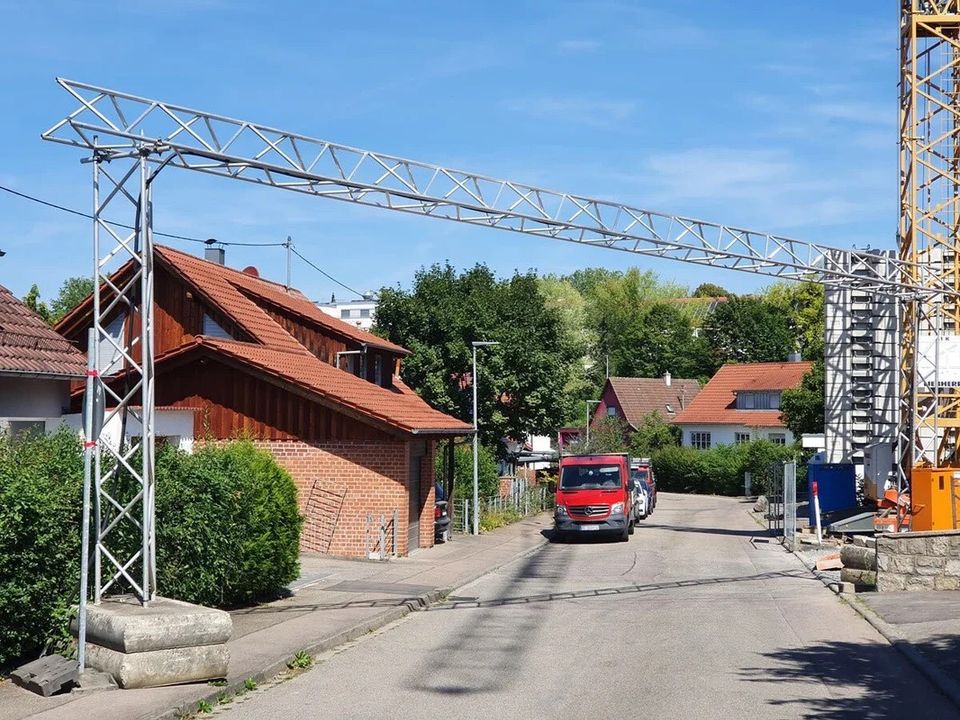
(123, 624)
(161, 667)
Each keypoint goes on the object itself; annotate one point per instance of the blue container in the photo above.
(836, 487)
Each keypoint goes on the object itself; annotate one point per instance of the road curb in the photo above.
(420, 602)
(928, 669)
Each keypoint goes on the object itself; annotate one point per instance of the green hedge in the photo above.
(718, 471)
(40, 489)
(228, 532)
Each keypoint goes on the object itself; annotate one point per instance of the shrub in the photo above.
(228, 532)
(488, 475)
(718, 471)
(228, 529)
(40, 489)
(498, 518)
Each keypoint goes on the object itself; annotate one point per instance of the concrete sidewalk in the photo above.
(334, 601)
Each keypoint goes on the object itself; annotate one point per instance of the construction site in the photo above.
(886, 470)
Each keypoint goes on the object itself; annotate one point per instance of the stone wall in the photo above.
(919, 561)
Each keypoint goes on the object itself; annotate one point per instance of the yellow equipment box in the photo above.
(935, 497)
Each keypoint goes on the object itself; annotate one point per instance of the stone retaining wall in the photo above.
(918, 561)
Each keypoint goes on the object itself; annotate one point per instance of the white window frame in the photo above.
(701, 439)
(777, 438)
(739, 438)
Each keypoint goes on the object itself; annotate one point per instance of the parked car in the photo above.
(441, 516)
(642, 471)
(642, 502)
(595, 496)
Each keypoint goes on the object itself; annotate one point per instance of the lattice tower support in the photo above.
(929, 238)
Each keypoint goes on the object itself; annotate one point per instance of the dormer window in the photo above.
(758, 400)
(212, 329)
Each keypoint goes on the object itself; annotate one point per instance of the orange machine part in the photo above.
(933, 494)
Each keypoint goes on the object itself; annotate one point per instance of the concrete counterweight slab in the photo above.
(166, 643)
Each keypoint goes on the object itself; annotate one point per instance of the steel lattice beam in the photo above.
(242, 150)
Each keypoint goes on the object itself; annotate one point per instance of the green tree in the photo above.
(802, 407)
(654, 434)
(561, 295)
(710, 290)
(73, 291)
(802, 305)
(659, 340)
(748, 329)
(523, 381)
(32, 300)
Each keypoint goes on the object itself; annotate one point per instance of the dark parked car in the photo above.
(441, 516)
(643, 472)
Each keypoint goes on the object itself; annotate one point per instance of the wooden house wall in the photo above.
(321, 345)
(233, 402)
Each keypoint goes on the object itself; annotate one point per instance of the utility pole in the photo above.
(476, 473)
(287, 245)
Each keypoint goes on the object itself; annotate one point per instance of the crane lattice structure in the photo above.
(929, 231)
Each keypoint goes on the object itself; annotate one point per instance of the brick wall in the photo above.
(919, 561)
(340, 483)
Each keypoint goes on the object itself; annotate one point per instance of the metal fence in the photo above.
(529, 501)
(782, 501)
(380, 536)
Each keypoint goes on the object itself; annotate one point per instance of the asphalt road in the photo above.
(690, 619)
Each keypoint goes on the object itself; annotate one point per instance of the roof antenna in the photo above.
(287, 245)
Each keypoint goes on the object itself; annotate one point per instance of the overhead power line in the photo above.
(88, 216)
(202, 241)
(324, 272)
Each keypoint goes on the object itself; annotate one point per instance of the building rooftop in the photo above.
(28, 346)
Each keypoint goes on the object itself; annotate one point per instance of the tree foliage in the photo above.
(802, 408)
(802, 305)
(72, 292)
(655, 433)
(748, 329)
(658, 340)
(522, 382)
(488, 476)
(710, 290)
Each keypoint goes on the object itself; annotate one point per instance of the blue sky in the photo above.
(774, 116)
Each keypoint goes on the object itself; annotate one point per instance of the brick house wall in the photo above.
(338, 483)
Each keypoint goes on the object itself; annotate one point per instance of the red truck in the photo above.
(594, 496)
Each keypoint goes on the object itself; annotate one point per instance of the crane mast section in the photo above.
(114, 124)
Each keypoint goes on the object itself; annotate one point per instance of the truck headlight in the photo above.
(616, 508)
(561, 510)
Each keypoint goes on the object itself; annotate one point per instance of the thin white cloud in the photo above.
(578, 110)
(579, 46)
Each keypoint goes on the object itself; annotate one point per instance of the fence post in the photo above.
(383, 537)
(790, 504)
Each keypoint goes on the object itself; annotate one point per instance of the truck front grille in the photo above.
(589, 510)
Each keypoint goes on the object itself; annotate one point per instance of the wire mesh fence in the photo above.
(514, 506)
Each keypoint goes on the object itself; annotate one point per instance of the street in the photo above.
(690, 619)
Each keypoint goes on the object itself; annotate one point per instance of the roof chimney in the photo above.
(215, 254)
(667, 380)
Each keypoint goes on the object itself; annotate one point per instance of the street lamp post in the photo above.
(595, 402)
(476, 484)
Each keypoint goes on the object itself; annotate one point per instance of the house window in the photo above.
(611, 411)
(345, 313)
(212, 329)
(758, 401)
(700, 440)
(741, 437)
(378, 370)
(21, 429)
(365, 312)
(778, 438)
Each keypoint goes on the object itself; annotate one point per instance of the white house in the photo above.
(36, 367)
(360, 313)
(739, 404)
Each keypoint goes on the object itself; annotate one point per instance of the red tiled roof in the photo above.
(229, 290)
(638, 397)
(28, 346)
(716, 402)
(399, 407)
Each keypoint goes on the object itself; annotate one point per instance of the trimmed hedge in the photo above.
(228, 532)
(41, 480)
(718, 471)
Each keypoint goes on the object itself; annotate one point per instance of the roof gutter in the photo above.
(40, 375)
(442, 431)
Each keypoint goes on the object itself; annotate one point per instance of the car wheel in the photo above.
(631, 528)
(625, 535)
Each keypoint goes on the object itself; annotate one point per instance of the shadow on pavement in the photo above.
(488, 650)
(704, 530)
(454, 604)
(870, 670)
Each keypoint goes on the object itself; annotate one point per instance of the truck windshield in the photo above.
(576, 477)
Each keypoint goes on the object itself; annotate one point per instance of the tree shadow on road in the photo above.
(858, 681)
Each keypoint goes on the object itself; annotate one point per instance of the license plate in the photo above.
(589, 527)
